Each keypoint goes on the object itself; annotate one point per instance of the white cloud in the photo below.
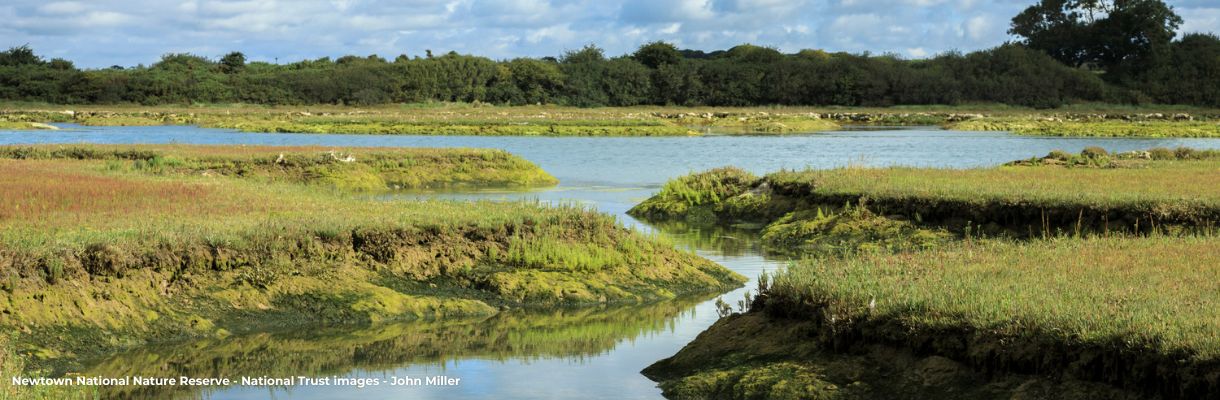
(104, 18)
(102, 33)
(1200, 20)
(977, 28)
(63, 7)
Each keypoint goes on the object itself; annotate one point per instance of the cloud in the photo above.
(62, 7)
(101, 33)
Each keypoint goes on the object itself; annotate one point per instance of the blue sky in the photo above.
(101, 33)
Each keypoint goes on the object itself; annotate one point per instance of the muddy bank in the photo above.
(106, 296)
(759, 355)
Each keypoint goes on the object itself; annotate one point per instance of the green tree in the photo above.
(233, 62)
(656, 54)
(20, 55)
(1122, 37)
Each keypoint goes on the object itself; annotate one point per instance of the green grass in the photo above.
(1155, 294)
(1054, 126)
(360, 169)
(96, 258)
(479, 119)
(18, 125)
(1106, 309)
(1167, 191)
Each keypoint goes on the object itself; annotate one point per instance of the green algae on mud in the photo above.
(12, 365)
(360, 169)
(95, 259)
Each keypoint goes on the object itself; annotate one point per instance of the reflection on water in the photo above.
(571, 334)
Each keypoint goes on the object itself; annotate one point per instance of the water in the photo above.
(631, 162)
(591, 353)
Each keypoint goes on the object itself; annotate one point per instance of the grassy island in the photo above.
(1074, 276)
(358, 169)
(1161, 190)
(102, 248)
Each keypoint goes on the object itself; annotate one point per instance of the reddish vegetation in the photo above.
(46, 192)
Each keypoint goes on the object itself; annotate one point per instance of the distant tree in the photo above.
(656, 54)
(587, 54)
(1123, 37)
(1191, 75)
(20, 55)
(61, 64)
(537, 81)
(233, 62)
(1135, 36)
(1057, 28)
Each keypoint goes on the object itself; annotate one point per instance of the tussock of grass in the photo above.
(852, 229)
(681, 197)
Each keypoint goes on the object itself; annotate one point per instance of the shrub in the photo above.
(1094, 152)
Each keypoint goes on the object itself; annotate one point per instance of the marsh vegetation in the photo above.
(97, 257)
(1086, 269)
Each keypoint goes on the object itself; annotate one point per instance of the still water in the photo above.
(583, 353)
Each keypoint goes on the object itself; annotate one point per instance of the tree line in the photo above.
(1120, 51)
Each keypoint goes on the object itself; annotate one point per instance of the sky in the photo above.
(101, 33)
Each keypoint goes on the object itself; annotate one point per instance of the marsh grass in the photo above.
(482, 119)
(1052, 126)
(1163, 189)
(93, 259)
(360, 169)
(1122, 302)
